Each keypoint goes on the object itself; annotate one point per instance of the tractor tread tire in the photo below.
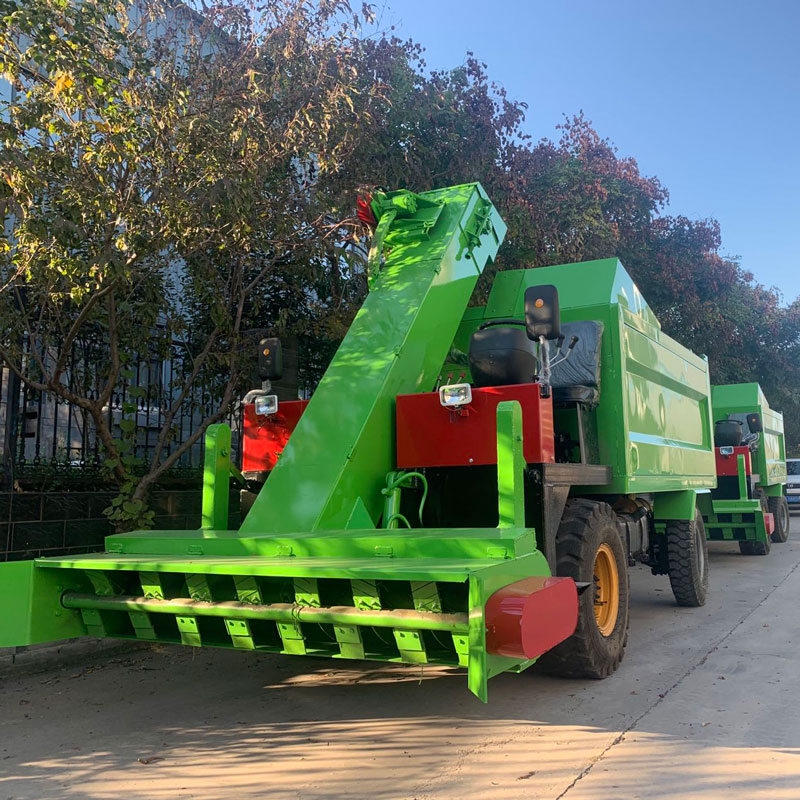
(689, 587)
(750, 547)
(779, 508)
(587, 653)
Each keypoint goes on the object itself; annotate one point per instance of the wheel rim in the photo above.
(700, 550)
(785, 516)
(606, 590)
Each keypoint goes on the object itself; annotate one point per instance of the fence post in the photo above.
(10, 429)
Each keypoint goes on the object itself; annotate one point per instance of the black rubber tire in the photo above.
(687, 553)
(753, 548)
(779, 508)
(585, 525)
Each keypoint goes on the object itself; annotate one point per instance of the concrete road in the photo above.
(705, 705)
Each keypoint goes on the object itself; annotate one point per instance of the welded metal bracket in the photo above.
(510, 466)
(217, 472)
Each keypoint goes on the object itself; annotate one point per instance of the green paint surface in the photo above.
(343, 446)
(653, 420)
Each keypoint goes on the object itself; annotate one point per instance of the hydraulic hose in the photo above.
(396, 483)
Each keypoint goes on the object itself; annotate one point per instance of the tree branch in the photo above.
(113, 336)
(5, 356)
(104, 432)
(76, 326)
(148, 479)
(37, 356)
(175, 406)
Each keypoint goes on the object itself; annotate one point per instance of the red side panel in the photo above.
(531, 616)
(429, 435)
(727, 464)
(265, 437)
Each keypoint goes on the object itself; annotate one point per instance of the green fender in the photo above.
(675, 505)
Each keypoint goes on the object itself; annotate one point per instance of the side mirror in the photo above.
(270, 359)
(542, 316)
(754, 424)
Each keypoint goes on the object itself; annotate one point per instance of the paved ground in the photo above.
(704, 706)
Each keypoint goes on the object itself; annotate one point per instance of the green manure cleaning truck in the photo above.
(467, 486)
(749, 504)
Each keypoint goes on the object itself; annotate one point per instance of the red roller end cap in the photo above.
(365, 213)
(769, 522)
(531, 616)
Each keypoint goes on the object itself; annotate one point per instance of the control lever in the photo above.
(750, 440)
(565, 356)
(572, 345)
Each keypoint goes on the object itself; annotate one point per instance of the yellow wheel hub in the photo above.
(606, 589)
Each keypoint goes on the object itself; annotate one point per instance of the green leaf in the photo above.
(132, 506)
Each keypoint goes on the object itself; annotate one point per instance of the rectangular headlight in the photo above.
(455, 394)
(266, 404)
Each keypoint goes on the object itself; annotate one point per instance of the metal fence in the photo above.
(46, 435)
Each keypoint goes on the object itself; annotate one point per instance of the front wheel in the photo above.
(779, 508)
(753, 548)
(589, 550)
(687, 552)
(750, 547)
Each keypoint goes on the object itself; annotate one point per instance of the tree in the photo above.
(157, 171)
(576, 200)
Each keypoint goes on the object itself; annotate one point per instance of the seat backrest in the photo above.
(582, 368)
(501, 356)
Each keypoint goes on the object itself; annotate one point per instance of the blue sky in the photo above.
(704, 94)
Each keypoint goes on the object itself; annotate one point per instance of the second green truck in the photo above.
(748, 505)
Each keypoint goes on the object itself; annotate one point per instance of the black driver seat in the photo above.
(503, 355)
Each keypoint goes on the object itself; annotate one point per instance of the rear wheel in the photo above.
(687, 551)
(779, 508)
(589, 550)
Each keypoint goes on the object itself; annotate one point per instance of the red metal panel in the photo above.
(266, 436)
(429, 435)
(531, 616)
(727, 463)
